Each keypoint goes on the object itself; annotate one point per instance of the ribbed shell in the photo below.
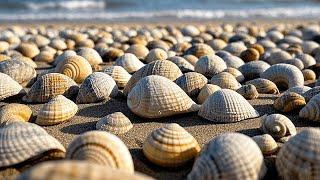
(91, 55)
(170, 146)
(312, 110)
(266, 144)
(307, 59)
(18, 70)
(236, 73)
(285, 75)
(129, 62)
(229, 156)
(21, 141)
(156, 54)
(59, 59)
(163, 68)
(278, 57)
(115, 123)
(227, 106)
(49, 86)
(299, 89)
(299, 157)
(101, 148)
(9, 87)
(98, 86)
(235, 48)
(233, 61)
(225, 81)
(183, 64)
(191, 83)
(264, 86)
(156, 96)
(206, 91)
(139, 50)
(119, 75)
(14, 112)
(253, 69)
(248, 91)
(210, 65)
(308, 75)
(296, 62)
(59, 109)
(311, 93)
(200, 50)
(289, 101)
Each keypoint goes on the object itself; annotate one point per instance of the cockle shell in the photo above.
(59, 109)
(307, 59)
(101, 148)
(9, 87)
(156, 96)
(299, 89)
(91, 55)
(264, 86)
(308, 74)
(129, 62)
(296, 62)
(289, 101)
(206, 91)
(119, 75)
(312, 109)
(58, 44)
(156, 54)
(115, 123)
(191, 59)
(299, 157)
(98, 86)
(19, 71)
(191, 83)
(49, 86)
(22, 141)
(210, 65)
(225, 81)
(217, 44)
(284, 75)
(266, 144)
(59, 59)
(253, 69)
(229, 156)
(28, 49)
(200, 50)
(235, 48)
(236, 73)
(14, 112)
(183, 64)
(248, 91)
(311, 93)
(233, 61)
(139, 50)
(170, 146)
(44, 56)
(278, 57)
(163, 68)
(227, 106)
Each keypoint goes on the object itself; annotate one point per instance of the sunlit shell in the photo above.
(312, 110)
(4, 57)
(278, 57)
(115, 123)
(296, 62)
(91, 55)
(4, 46)
(210, 65)
(28, 50)
(217, 44)
(253, 69)
(229, 156)
(225, 81)
(119, 75)
(310, 93)
(156, 54)
(190, 30)
(233, 61)
(248, 91)
(19, 71)
(14, 112)
(191, 83)
(258, 47)
(58, 44)
(170, 146)
(156, 96)
(309, 46)
(307, 59)
(227, 106)
(236, 73)
(308, 75)
(63, 56)
(206, 91)
(9, 87)
(129, 62)
(200, 50)
(250, 54)
(191, 59)
(111, 54)
(289, 101)
(235, 48)
(264, 86)
(159, 44)
(183, 64)
(299, 89)
(139, 50)
(101, 148)
(44, 56)
(266, 144)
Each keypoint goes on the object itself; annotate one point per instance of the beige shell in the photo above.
(156, 54)
(299, 89)
(296, 62)
(217, 44)
(308, 75)
(311, 93)
(191, 59)
(91, 55)
(253, 69)
(9, 87)
(59, 109)
(266, 144)
(191, 83)
(278, 57)
(299, 157)
(129, 62)
(307, 59)
(225, 81)
(229, 156)
(101, 148)
(61, 58)
(170, 146)
(115, 123)
(22, 141)
(210, 65)
(236, 73)
(235, 48)
(73, 170)
(312, 109)
(231, 60)
(227, 106)
(14, 112)
(248, 91)
(49, 86)
(156, 96)
(19, 71)
(4, 57)
(288, 102)
(28, 50)
(264, 86)
(58, 44)
(200, 50)
(206, 91)
(139, 50)
(163, 68)
(183, 64)
(119, 75)
(4, 46)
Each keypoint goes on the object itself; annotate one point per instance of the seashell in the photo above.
(85, 43)
(4, 57)
(170, 146)
(24, 59)
(299, 89)
(44, 56)
(308, 75)
(309, 46)
(236, 73)
(206, 91)
(19, 71)
(75, 67)
(223, 53)
(248, 91)
(264, 86)
(267, 44)
(169, 98)
(59, 109)
(199, 50)
(4, 46)
(91, 55)
(191, 83)
(235, 48)
(156, 54)
(115, 123)
(58, 44)
(278, 57)
(49, 86)
(284, 75)
(63, 56)
(29, 50)
(9, 87)
(163, 68)
(296, 62)
(311, 93)
(158, 44)
(77, 170)
(299, 157)
(289, 101)
(101, 148)
(253, 69)
(225, 81)
(250, 54)
(191, 59)
(266, 143)
(307, 60)
(190, 30)
(111, 54)
(22, 141)
(227, 106)
(183, 64)
(311, 110)
(229, 156)
(258, 47)
(139, 50)
(210, 65)
(119, 75)
(217, 44)
(14, 112)
(129, 62)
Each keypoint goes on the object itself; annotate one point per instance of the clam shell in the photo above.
(311, 93)
(19, 71)
(206, 91)
(58, 44)
(9, 87)
(101, 148)
(227, 106)
(61, 58)
(250, 54)
(156, 96)
(191, 83)
(278, 57)
(308, 75)
(236, 73)
(296, 62)
(98, 86)
(183, 64)
(312, 109)
(115, 123)
(191, 59)
(14, 112)
(91, 55)
(307, 59)
(139, 50)
(119, 75)
(28, 50)
(299, 89)
(21, 141)
(44, 56)
(229, 156)
(156, 54)
(225, 81)
(49, 86)
(210, 65)
(170, 146)
(253, 69)
(264, 86)
(248, 91)
(129, 62)
(233, 61)
(266, 144)
(235, 48)
(289, 101)
(200, 50)
(217, 44)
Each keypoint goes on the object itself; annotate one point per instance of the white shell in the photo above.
(119, 75)
(312, 109)
(225, 80)
(206, 91)
(129, 62)
(210, 65)
(9, 87)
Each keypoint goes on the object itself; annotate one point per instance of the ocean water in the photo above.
(117, 10)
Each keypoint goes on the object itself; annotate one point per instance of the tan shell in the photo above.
(4, 57)
(119, 75)
(289, 101)
(206, 91)
(311, 93)
(9, 87)
(299, 157)
(183, 64)
(227, 106)
(210, 65)
(4, 46)
(236, 73)
(19, 71)
(91, 55)
(235, 48)
(163, 68)
(170, 146)
(200, 50)
(266, 144)
(308, 75)
(191, 59)
(44, 56)
(115, 123)
(248, 91)
(231, 60)
(61, 58)
(312, 109)
(139, 50)
(253, 69)
(191, 83)
(229, 156)
(58, 44)
(28, 50)
(264, 86)
(225, 81)
(129, 62)
(156, 54)
(101, 148)
(278, 57)
(59, 109)
(156, 96)
(250, 54)
(49, 86)
(14, 112)
(217, 44)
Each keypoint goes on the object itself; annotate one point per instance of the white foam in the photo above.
(72, 4)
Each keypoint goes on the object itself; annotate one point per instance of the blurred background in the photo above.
(124, 10)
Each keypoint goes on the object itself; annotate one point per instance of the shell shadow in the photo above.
(264, 109)
(79, 128)
(250, 132)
